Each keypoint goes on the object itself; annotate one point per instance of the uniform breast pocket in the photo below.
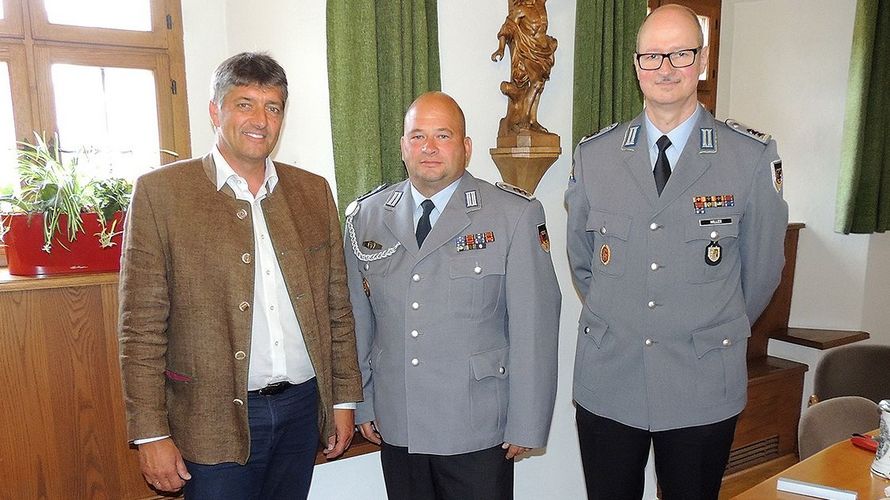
(475, 287)
(711, 252)
(374, 282)
(611, 232)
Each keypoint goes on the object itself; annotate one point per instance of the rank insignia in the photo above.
(366, 287)
(701, 203)
(713, 254)
(605, 254)
(476, 241)
(470, 199)
(777, 175)
(708, 142)
(372, 245)
(393, 199)
(543, 237)
(630, 137)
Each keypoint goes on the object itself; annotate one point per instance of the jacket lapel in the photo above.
(400, 218)
(691, 165)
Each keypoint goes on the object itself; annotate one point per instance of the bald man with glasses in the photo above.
(676, 226)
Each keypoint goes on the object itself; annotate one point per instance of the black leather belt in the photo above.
(272, 389)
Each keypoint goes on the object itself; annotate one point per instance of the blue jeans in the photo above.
(283, 442)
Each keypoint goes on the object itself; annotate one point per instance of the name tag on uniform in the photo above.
(715, 222)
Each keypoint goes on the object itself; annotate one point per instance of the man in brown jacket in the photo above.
(236, 333)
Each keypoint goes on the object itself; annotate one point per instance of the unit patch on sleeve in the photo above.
(777, 174)
(543, 237)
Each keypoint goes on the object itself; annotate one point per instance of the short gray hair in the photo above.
(247, 68)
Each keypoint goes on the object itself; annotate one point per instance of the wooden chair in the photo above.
(833, 420)
(853, 370)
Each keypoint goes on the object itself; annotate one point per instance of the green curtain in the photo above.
(381, 55)
(863, 191)
(605, 87)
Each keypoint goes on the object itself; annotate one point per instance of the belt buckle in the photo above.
(272, 389)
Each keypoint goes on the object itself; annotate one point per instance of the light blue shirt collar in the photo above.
(439, 199)
(678, 136)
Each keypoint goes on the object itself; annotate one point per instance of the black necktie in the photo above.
(662, 165)
(423, 225)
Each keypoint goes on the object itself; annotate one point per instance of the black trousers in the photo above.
(689, 461)
(479, 475)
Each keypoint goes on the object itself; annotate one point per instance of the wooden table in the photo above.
(841, 466)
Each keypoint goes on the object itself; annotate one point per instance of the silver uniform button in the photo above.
(241, 214)
(237, 402)
(603, 230)
(649, 342)
(244, 306)
(651, 304)
(653, 226)
(726, 342)
(654, 266)
(414, 333)
(240, 355)
(586, 329)
(502, 370)
(415, 362)
(367, 266)
(477, 270)
(415, 306)
(245, 258)
(714, 235)
(415, 278)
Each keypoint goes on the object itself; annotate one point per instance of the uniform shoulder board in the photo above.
(353, 206)
(518, 191)
(748, 131)
(601, 132)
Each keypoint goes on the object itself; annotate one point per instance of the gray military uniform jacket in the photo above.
(457, 341)
(670, 285)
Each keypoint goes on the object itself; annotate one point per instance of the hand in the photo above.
(513, 450)
(162, 465)
(497, 55)
(369, 431)
(344, 427)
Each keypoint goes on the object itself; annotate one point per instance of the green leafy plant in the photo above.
(53, 185)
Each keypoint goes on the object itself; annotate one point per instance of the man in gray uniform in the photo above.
(675, 239)
(457, 317)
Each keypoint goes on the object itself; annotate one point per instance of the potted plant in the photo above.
(60, 221)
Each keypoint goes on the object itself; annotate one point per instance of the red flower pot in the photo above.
(26, 257)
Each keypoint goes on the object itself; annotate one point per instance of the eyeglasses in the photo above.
(683, 58)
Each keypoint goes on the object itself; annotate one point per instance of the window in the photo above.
(104, 76)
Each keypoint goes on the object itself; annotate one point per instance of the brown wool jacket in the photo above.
(186, 292)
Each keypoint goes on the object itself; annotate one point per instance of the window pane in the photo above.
(8, 175)
(117, 14)
(109, 113)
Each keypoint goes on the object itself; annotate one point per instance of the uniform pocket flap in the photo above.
(609, 224)
(705, 230)
(592, 326)
(721, 336)
(490, 363)
(478, 267)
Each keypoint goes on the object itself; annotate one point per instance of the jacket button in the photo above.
(726, 342)
(245, 258)
(651, 304)
(586, 329)
(367, 266)
(415, 362)
(237, 402)
(654, 226)
(603, 230)
(240, 355)
(414, 333)
(714, 235)
(415, 278)
(654, 266)
(244, 306)
(241, 214)
(649, 342)
(477, 270)
(415, 306)
(502, 370)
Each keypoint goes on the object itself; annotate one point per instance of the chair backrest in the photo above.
(833, 420)
(854, 370)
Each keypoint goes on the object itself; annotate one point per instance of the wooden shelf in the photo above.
(818, 338)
